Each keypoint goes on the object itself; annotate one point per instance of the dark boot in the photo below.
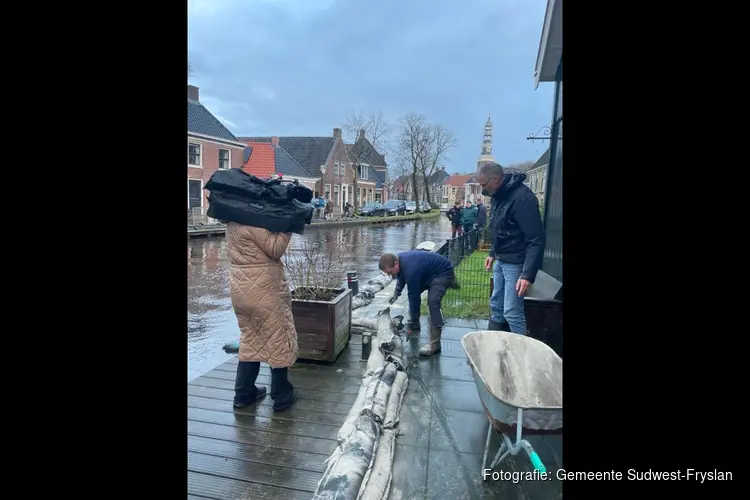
(494, 325)
(282, 392)
(414, 327)
(433, 345)
(245, 391)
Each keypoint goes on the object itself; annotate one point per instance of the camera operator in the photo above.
(262, 303)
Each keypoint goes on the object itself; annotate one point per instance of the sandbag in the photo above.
(376, 396)
(236, 196)
(351, 419)
(393, 409)
(350, 463)
(376, 361)
(377, 482)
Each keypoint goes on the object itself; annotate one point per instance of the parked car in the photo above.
(391, 207)
(368, 208)
(411, 207)
(424, 206)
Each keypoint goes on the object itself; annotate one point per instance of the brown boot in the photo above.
(433, 345)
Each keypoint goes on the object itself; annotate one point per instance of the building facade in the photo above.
(549, 69)
(211, 147)
(536, 177)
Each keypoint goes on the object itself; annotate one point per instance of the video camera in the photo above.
(279, 205)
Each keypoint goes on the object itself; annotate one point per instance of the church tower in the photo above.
(486, 144)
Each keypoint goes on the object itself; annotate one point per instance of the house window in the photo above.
(336, 189)
(194, 154)
(336, 168)
(378, 197)
(363, 172)
(327, 194)
(544, 180)
(369, 195)
(195, 193)
(223, 159)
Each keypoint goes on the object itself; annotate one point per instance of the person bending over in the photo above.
(419, 271)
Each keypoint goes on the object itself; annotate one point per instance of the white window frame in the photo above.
(327, 188)
(188, 192)
(363, 172)
(336, 168)
(336, 199)
(229, 160)
(200, 153)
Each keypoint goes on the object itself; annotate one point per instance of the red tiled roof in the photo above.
(262, 162)
(456, 180)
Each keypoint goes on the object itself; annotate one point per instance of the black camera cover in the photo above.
(277, 205)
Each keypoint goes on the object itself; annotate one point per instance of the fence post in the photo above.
(352, 282)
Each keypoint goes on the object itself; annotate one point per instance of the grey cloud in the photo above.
(300, 67)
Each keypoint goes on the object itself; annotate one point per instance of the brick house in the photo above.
(372, 171)
(268, 159)
(327, 159)
(211, 146)
(455, 189)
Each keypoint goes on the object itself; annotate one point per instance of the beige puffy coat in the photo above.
(260, 295)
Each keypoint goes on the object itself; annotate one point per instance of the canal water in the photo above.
(211, 321)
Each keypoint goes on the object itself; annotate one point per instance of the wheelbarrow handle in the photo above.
(537, 462)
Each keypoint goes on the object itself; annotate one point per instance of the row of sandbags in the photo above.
(365, 294)
(360, 467)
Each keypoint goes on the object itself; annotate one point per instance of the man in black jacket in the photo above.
(517, 239)
(454, 215)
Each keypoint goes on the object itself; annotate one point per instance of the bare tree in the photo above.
(423, 147)
(376, 130)
(413, 146)
(440, 142)
(190, 69)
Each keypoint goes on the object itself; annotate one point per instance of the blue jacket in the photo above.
(417, 270)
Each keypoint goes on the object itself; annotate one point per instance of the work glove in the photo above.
(392, 299)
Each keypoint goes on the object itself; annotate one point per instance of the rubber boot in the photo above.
(494, 325)
(433, 345)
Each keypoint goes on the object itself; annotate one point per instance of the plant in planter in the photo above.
(321, 304)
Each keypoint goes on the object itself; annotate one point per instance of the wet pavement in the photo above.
(211, 322)
(444, 427)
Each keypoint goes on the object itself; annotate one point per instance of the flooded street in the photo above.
(211, 321)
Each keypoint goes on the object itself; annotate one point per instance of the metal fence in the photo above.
(467, 253)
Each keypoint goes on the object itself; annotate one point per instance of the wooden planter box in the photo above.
(323, 327)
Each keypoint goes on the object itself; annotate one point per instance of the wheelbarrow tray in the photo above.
(513, 371)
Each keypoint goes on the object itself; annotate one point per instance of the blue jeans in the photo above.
(505, 304)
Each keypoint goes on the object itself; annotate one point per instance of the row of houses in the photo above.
(327, 165)
(446, 189)
(342, 172)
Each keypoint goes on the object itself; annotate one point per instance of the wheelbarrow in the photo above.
(519, 380)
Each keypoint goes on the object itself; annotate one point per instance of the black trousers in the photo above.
(435, 294)
(246, 392)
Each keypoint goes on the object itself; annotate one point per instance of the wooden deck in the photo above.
(256, 453)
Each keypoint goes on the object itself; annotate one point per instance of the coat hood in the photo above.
(510, 182)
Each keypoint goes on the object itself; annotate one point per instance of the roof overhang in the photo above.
(216, 139)
(550, 45)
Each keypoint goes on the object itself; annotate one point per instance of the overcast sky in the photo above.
(300, 67)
